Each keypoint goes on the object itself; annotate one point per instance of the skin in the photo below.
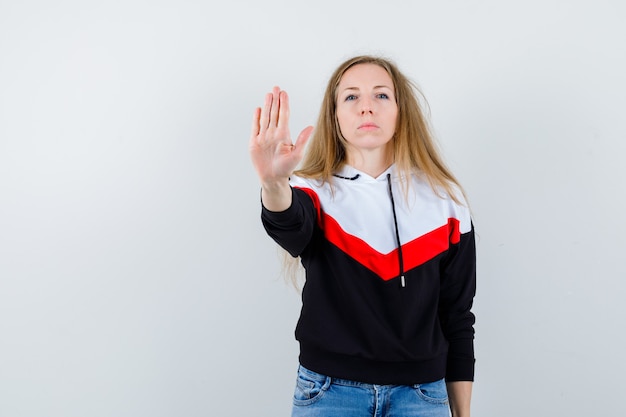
(460, 394)
(272, 151)
(367, 113)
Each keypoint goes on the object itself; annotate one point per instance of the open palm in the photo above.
(273, 154)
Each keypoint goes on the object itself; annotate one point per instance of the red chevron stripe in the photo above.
(415, 253)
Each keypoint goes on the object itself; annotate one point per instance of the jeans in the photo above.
(317, 395)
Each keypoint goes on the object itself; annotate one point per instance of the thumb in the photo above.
(303, 138)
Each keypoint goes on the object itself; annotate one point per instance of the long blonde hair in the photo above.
(414, 147)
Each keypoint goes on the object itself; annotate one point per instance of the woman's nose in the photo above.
(366, 106)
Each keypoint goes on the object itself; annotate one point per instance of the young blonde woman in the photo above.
(385, 236)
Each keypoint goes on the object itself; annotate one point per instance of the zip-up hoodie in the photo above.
(390, 277)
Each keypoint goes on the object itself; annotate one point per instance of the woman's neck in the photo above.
(371, 163)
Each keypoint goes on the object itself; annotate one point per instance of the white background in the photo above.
(135, 277)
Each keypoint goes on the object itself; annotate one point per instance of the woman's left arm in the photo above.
(460, 394)
(456, 299)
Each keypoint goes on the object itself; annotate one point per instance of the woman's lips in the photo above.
(368, 126)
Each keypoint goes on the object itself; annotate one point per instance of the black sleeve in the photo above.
(458, 287)
(293, 228)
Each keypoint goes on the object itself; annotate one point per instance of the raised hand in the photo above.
(273, 154)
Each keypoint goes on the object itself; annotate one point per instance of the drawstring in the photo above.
(347, 178)
(395, 223)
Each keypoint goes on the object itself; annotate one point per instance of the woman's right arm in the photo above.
(273, 154)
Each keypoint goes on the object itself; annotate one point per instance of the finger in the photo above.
(283, 114)
(275, 107)
(265, 113)
(255, 123)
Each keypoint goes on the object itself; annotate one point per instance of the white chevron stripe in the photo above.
(362, 207)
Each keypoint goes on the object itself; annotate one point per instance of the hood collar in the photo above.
(350, 173)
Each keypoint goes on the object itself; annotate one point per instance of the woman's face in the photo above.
(366, 109)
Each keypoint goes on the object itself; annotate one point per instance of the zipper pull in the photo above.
(402, 282)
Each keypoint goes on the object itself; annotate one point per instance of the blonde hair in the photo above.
(414, 148)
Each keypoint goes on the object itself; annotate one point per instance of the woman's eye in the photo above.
(382, 95)
(350, 97)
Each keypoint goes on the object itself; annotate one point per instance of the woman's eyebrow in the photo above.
(374, 88)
